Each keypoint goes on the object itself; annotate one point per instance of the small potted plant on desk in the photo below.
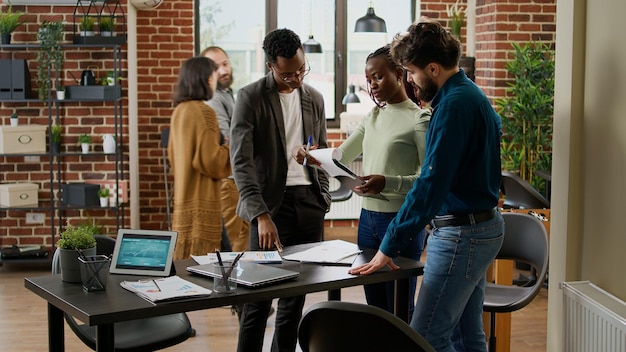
(9, 21)
(106, 26)
(86, 26)
(13, 119)
(85, 141)
(72, 241)
(55, 133)
(103, 193)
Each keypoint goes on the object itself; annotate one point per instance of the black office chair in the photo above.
(169, 190)
(336, 326)
(141, 335)
(526, 241)
(342, 192)
(519, 194)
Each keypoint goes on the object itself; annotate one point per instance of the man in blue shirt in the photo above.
(457, 190)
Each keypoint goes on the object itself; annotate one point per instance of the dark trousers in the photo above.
(299, 220)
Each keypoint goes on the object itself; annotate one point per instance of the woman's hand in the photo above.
(378, 262)
(374, 184)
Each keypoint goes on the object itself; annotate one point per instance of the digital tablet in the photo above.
(143, 252)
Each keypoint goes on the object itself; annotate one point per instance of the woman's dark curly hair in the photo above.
(281, 42)
(424, 43)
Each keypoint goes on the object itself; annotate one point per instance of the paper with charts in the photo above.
(164, 289)
(329, 160)
(261, 257)
(337, 252)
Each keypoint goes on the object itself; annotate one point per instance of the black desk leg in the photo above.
(56, 338)
(105, 339)
(402, 299)
(334, 295)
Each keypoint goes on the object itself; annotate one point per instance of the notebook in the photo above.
(143, 252)
(250, 274)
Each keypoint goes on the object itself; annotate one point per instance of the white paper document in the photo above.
(328, 252)
(167, 288)
(262, 257)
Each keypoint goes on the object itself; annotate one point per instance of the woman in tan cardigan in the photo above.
(198, 160)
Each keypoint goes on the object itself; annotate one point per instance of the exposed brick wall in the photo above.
(165, 40)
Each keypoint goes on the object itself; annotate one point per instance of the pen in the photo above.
(221, 263)
(308, 147)
(157, 286)
(234, 264)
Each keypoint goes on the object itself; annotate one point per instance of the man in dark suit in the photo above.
(284, 201)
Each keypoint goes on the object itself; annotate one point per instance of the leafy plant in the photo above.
(50, 52)
(10, 20)
(103, 192)
(84, 138)
(456, 14)
(527, 111)
(92, 226)
(76, 237)
(106, 24)
(14, 115)
(87, 23)
(55, 131)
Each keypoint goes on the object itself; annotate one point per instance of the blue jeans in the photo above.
(372, 229)
(451, 295)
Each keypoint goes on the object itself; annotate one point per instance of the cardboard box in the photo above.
(19, 195)
(80, 194)
(23, 139)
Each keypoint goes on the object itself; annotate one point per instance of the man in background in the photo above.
(223, 103)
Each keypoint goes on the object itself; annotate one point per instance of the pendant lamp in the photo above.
(370, 22)
(351, 97)
(311, 46)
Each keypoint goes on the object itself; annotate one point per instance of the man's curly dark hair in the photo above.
(281, 42)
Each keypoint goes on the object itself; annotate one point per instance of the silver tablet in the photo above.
(143, 252)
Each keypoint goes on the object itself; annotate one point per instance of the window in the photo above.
(331, 22)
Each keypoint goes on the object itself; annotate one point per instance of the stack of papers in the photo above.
(328, 252)
(164, 289)
(267, 257)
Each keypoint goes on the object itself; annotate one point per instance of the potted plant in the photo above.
(73, 241)
(86, 26)
(50, 52)
(85, 141)
(457, 14)
(103, 193)
(106, 26)
(60, 92)
(55, 134)
(13, 119)
(9, 21)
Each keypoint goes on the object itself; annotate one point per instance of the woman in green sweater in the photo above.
(392, 139)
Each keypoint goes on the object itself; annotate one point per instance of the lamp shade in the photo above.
(370, 23)
(351, 97)
(312, 46)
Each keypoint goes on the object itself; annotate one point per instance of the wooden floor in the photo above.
(23, 320)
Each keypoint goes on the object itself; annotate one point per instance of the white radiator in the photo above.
(595, 320)
(347, 209)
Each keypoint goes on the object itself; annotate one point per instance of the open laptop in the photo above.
(249, 274)
(143, 252)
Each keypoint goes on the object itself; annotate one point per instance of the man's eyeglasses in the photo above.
(293, 76)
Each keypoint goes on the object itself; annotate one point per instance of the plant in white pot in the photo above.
(106, 26)
(104, 193)
(86, 26)
(73, 241)
(85, 141)
(13, 119)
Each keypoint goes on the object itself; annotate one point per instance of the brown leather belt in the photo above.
(462, 220)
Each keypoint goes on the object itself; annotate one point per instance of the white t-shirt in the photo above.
(292, 114)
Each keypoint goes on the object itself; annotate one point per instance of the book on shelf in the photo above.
(165, 289)
(329, 162)
(260, 257)
(337, 252)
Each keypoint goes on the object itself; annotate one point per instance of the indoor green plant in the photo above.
(14, 120)
(85, 141)
(456, 14)
(527, 112)
(106, 26)
(103, 194)
(55, 134)
(50, 53)
(72, 241)
(9, 21)
(86, 26)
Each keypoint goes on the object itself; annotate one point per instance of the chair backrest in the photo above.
(165, 138)
(341, 193)
(520, 194)
(343, 326)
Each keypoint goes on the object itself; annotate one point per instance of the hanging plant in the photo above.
(50, 53)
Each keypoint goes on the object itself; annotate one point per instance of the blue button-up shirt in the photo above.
(461, 171)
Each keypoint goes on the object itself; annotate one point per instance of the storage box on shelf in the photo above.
(19, 195)
(23, 139)
(80, 194)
